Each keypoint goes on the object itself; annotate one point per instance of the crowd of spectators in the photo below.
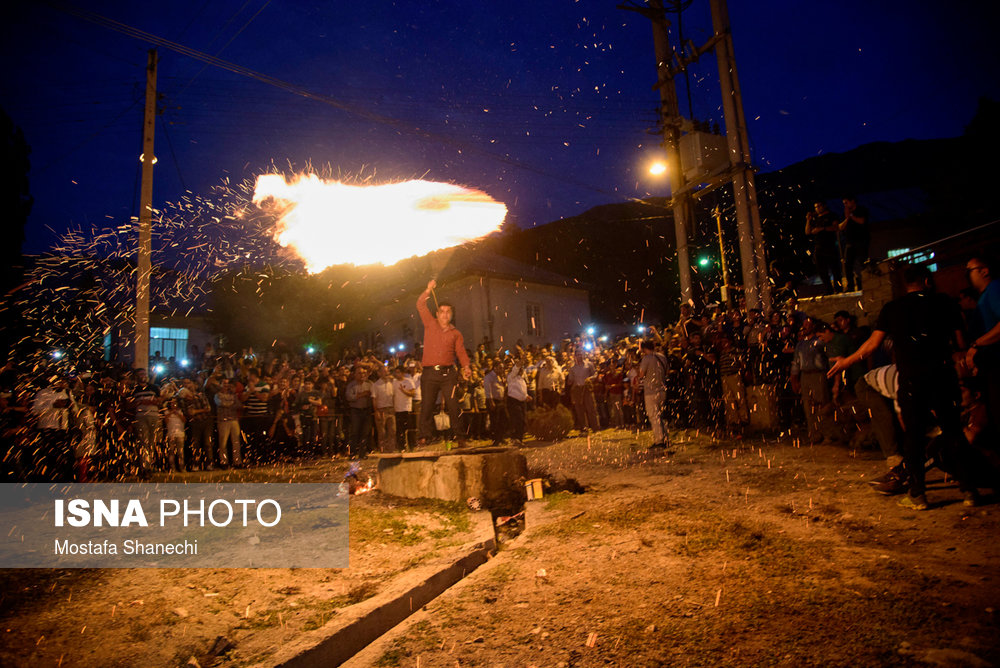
(720, 369)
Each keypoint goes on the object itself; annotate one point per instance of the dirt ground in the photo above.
(751, 553)
(163, 617)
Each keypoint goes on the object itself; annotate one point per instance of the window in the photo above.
(916, 258)
(534, 320)
(169, 342)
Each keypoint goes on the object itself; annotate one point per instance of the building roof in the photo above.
(455, 263)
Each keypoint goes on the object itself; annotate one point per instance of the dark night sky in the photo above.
(544, 105)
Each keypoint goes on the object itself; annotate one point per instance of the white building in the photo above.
(497, 301)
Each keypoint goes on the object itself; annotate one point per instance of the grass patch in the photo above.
(557, 500)
(373, 524)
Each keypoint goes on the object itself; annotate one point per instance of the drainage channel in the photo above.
(491, 478)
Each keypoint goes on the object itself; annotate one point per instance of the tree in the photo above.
(15, 200)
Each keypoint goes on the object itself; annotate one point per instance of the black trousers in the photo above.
(433, 381)
(922, 399)
(498, 420)
(855, 257)
(828, 262)
(517, 414)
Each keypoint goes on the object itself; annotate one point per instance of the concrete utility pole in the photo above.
(756, 284)
(671, 119)
(737, 168)
(144, 263)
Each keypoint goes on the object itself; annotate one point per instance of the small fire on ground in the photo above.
(356, 487)
(329, 222)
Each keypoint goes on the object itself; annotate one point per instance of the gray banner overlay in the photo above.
(160, 525)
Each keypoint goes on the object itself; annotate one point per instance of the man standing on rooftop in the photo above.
(443, 346)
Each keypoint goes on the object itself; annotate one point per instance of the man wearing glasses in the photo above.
(984, 351)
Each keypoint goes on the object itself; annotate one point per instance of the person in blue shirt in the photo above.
(984, 350)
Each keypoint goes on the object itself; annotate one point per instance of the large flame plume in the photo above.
(328, 222)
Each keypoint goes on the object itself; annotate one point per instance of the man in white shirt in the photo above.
(385, 409)
(53, 457)
(652, 375)
(549, 382)
(581, 378)
(403, 392)
(517, 402)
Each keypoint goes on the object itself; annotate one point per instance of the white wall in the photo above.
(564, 310)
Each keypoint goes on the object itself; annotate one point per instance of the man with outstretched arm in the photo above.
(925, 329)
(443, 346)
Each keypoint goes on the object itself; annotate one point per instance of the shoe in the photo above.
(896, 472)
(914, 503)
(970, 499)
(891, 487)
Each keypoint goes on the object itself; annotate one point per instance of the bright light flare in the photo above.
(658, 168)
(329, 222)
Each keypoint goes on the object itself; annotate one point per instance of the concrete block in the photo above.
(492, 473)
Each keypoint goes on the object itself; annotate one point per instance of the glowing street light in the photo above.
(658, 168)
(703, 261)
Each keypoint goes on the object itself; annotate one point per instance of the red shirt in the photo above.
(441, 344)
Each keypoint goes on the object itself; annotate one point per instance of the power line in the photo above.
(89, 139)
(170, 145)
(238, 32)
(303, 92)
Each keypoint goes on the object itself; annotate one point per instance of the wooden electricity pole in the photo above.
(144, 262)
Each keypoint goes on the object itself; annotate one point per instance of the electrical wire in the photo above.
(170, 145)
(355, 110)
(238, 32)
(89, 139)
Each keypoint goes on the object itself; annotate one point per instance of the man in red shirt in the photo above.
(443, 345)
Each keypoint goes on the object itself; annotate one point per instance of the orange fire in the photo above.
(329, 222)
(365, 488)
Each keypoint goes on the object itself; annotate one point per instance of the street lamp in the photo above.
(658, 168)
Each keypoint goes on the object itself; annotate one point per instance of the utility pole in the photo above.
(717, 212)
(737, 167)
(144, 263)
(756, 285)
(671, 120)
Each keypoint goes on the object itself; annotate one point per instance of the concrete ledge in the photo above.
(457, 475)
(352, 629)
